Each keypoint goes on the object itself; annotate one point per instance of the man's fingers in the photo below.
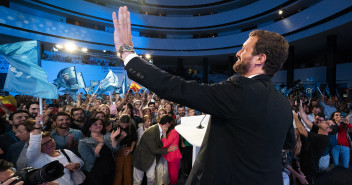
(129, 28)
(114, 20)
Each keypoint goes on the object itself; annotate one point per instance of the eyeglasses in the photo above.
(46, 143)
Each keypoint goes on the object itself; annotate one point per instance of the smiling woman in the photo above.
(97, 152)
(42, 150)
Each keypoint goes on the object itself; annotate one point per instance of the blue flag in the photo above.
(24, 75)
(72, 92)
(277, 87)
(123, 88)
(67, 78)
(327, 90)
(89, 90)
(110, 82)
(94, 83)
(309, 90)
(80, 80)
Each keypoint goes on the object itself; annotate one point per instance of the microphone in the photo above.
(200, 126)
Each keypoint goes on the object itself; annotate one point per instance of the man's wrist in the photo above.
(127, 56)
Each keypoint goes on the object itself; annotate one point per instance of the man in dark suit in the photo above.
(149, 150)
(17, 152)
(9, 138)
(250, 119)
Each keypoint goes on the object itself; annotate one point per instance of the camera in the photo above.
(34, 176)
(297, 93)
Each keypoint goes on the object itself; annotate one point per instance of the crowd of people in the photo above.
(116, 140)
(110, 140)
(323, 139)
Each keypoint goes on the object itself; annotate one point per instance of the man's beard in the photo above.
(33, 115)
(64, 127)
(80, 119)
(241, 67)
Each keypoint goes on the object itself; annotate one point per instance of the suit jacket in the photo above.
(249, 123)
(149, 148)
(14, 153)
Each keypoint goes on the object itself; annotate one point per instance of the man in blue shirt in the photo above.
(64, 136)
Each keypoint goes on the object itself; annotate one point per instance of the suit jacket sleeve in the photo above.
(212, 99)
(290, 140)
(154, 143)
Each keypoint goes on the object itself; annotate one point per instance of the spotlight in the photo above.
(59, 46)
(281, 12)
(118, 54)
(84, 49)
(147, 56)
(104, 50)
(70, 47)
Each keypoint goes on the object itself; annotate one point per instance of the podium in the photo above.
(188, 130)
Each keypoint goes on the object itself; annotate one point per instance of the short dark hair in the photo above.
(31, 103)
(151, 102)
(180, 106)
(5, 165)
(274, 46)
(320, 114)
(61, 114)
(19, 111)
(76, 109)
(165, 119)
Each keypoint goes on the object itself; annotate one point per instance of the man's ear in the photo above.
(261, 59)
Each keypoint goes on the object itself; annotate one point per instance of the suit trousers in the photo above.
(150, 173)
(123, 173)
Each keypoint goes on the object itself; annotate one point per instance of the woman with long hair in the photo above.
(160, 112)
(169, 110)
(123, 157)
(341, 151)
(171, 137)
(96, 151)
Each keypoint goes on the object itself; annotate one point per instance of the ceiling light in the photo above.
(281, 12)
(84, 49)
(148, 56)
(70, 47)
(59, 46)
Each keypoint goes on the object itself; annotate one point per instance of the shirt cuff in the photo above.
(129, 57)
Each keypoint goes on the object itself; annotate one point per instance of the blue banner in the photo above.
(24, 75)
(124, 87)
(67, 78)
(110, 82)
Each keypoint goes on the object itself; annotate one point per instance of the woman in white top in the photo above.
(42, 150)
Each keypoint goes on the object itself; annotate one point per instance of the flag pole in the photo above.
(319, 90)
(97, 89)
(39, 49)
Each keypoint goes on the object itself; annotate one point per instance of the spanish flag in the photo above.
(135, 87)
(9, 102)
